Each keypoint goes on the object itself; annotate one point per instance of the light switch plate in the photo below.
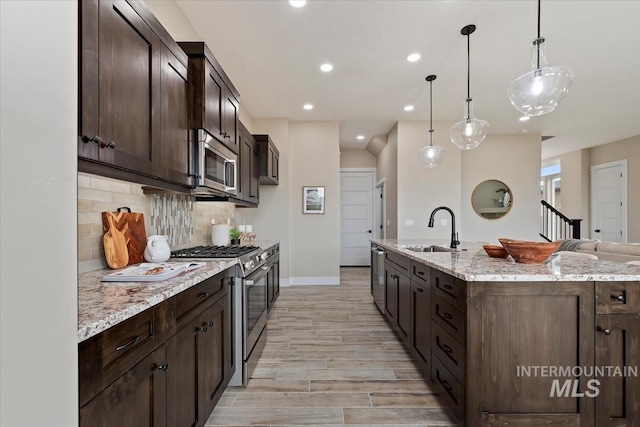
(443, 223)
(408, 222)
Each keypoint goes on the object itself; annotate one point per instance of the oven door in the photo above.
(217, 169)
(254, 307)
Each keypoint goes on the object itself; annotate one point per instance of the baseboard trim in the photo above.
(293, 281)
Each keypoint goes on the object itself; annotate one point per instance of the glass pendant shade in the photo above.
(430, 155)
(540, 90)
(469, 132)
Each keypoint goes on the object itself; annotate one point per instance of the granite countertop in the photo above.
(104, 304)
(474, 265)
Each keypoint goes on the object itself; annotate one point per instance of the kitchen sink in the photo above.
(430, 248)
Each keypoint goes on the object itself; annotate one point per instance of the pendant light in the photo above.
(540, 90)
(469, 132)
(430, 155)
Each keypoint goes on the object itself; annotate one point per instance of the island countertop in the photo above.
(471, 263)
(102, 305)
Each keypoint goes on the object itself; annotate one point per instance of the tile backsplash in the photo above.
(179, 216)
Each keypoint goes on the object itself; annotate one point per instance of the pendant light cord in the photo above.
(468, 67)
(431, 113)
(538, 40)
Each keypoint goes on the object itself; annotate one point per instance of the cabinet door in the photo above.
(271, 294)
(214, 368)
(618, 345)
(171, 156)
(254, 185)
(136, 399)
(244, 177)
(273, 166)
(276, 279)
(230, 127)
(391, 293)
(404, 307)
(185, 353)
(129, 87)
(420, 335)
(214, 89)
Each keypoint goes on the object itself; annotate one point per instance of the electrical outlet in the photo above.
(443, 223)
(408, 222)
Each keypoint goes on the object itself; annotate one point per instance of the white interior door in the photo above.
(356, 218)
(608, 202)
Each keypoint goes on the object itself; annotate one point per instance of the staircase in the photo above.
(556, 226)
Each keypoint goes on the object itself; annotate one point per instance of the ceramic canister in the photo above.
(220, 234)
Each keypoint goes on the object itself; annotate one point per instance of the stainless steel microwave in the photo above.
(216, 167)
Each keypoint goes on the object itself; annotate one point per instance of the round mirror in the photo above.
(492, 199)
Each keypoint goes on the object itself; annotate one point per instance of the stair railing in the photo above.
(555, 225)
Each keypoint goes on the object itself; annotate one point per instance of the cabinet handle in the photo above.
(202, 295)
(448, 287)
(419, 289)
(446, 385)
(618, 297)
(606, 331)
(201, 329)
(163, 367)
(443, 314)
(209, 324)
(99, 141)
(421, 273)
(128, 344)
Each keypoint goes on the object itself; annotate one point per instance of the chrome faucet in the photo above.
(454, 236)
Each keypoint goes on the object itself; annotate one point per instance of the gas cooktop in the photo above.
(231, 251)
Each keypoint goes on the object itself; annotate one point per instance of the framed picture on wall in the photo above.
(312, 200)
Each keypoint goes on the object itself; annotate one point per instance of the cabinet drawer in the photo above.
(449, 318)
(106, 356)
(448, 288)
(400, 261)
(420, 273)
(450, 352)
(450, 389)
(186, 302)
(617, 298)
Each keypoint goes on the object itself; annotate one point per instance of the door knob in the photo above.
(369, 231)
(597, 230)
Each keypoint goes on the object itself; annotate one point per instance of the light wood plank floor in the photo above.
(332, 360)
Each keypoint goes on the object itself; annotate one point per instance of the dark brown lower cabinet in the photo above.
(131, 376)
(490, 347)
(404, 307)
(618, 344)
(136, 399)
(420, 335)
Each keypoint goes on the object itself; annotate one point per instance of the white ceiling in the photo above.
(273, 51)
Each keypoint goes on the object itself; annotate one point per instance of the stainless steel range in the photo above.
(249, 302)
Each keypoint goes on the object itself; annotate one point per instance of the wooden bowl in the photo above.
(528, 252)
(495, 251)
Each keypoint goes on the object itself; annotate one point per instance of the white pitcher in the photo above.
(157, 249)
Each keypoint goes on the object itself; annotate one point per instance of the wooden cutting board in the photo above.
(131, 225)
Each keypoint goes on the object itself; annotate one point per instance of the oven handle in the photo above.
(255, 276)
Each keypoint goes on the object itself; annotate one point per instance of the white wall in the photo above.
(173, 20)
(387, 168)
(514, 160)
(38, 249)
(315, 239)
(422, 189)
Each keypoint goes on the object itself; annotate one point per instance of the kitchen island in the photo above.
(518, 344)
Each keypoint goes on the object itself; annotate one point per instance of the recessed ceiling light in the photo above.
(326, 67)
(524, 118)
(360, 136)
(297, 3)
(408, 108)
(413, 57)
(307, 107)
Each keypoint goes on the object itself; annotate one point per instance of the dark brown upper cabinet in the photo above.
(269, 160)
(133, 95)
(214, 100)
(249, 170)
